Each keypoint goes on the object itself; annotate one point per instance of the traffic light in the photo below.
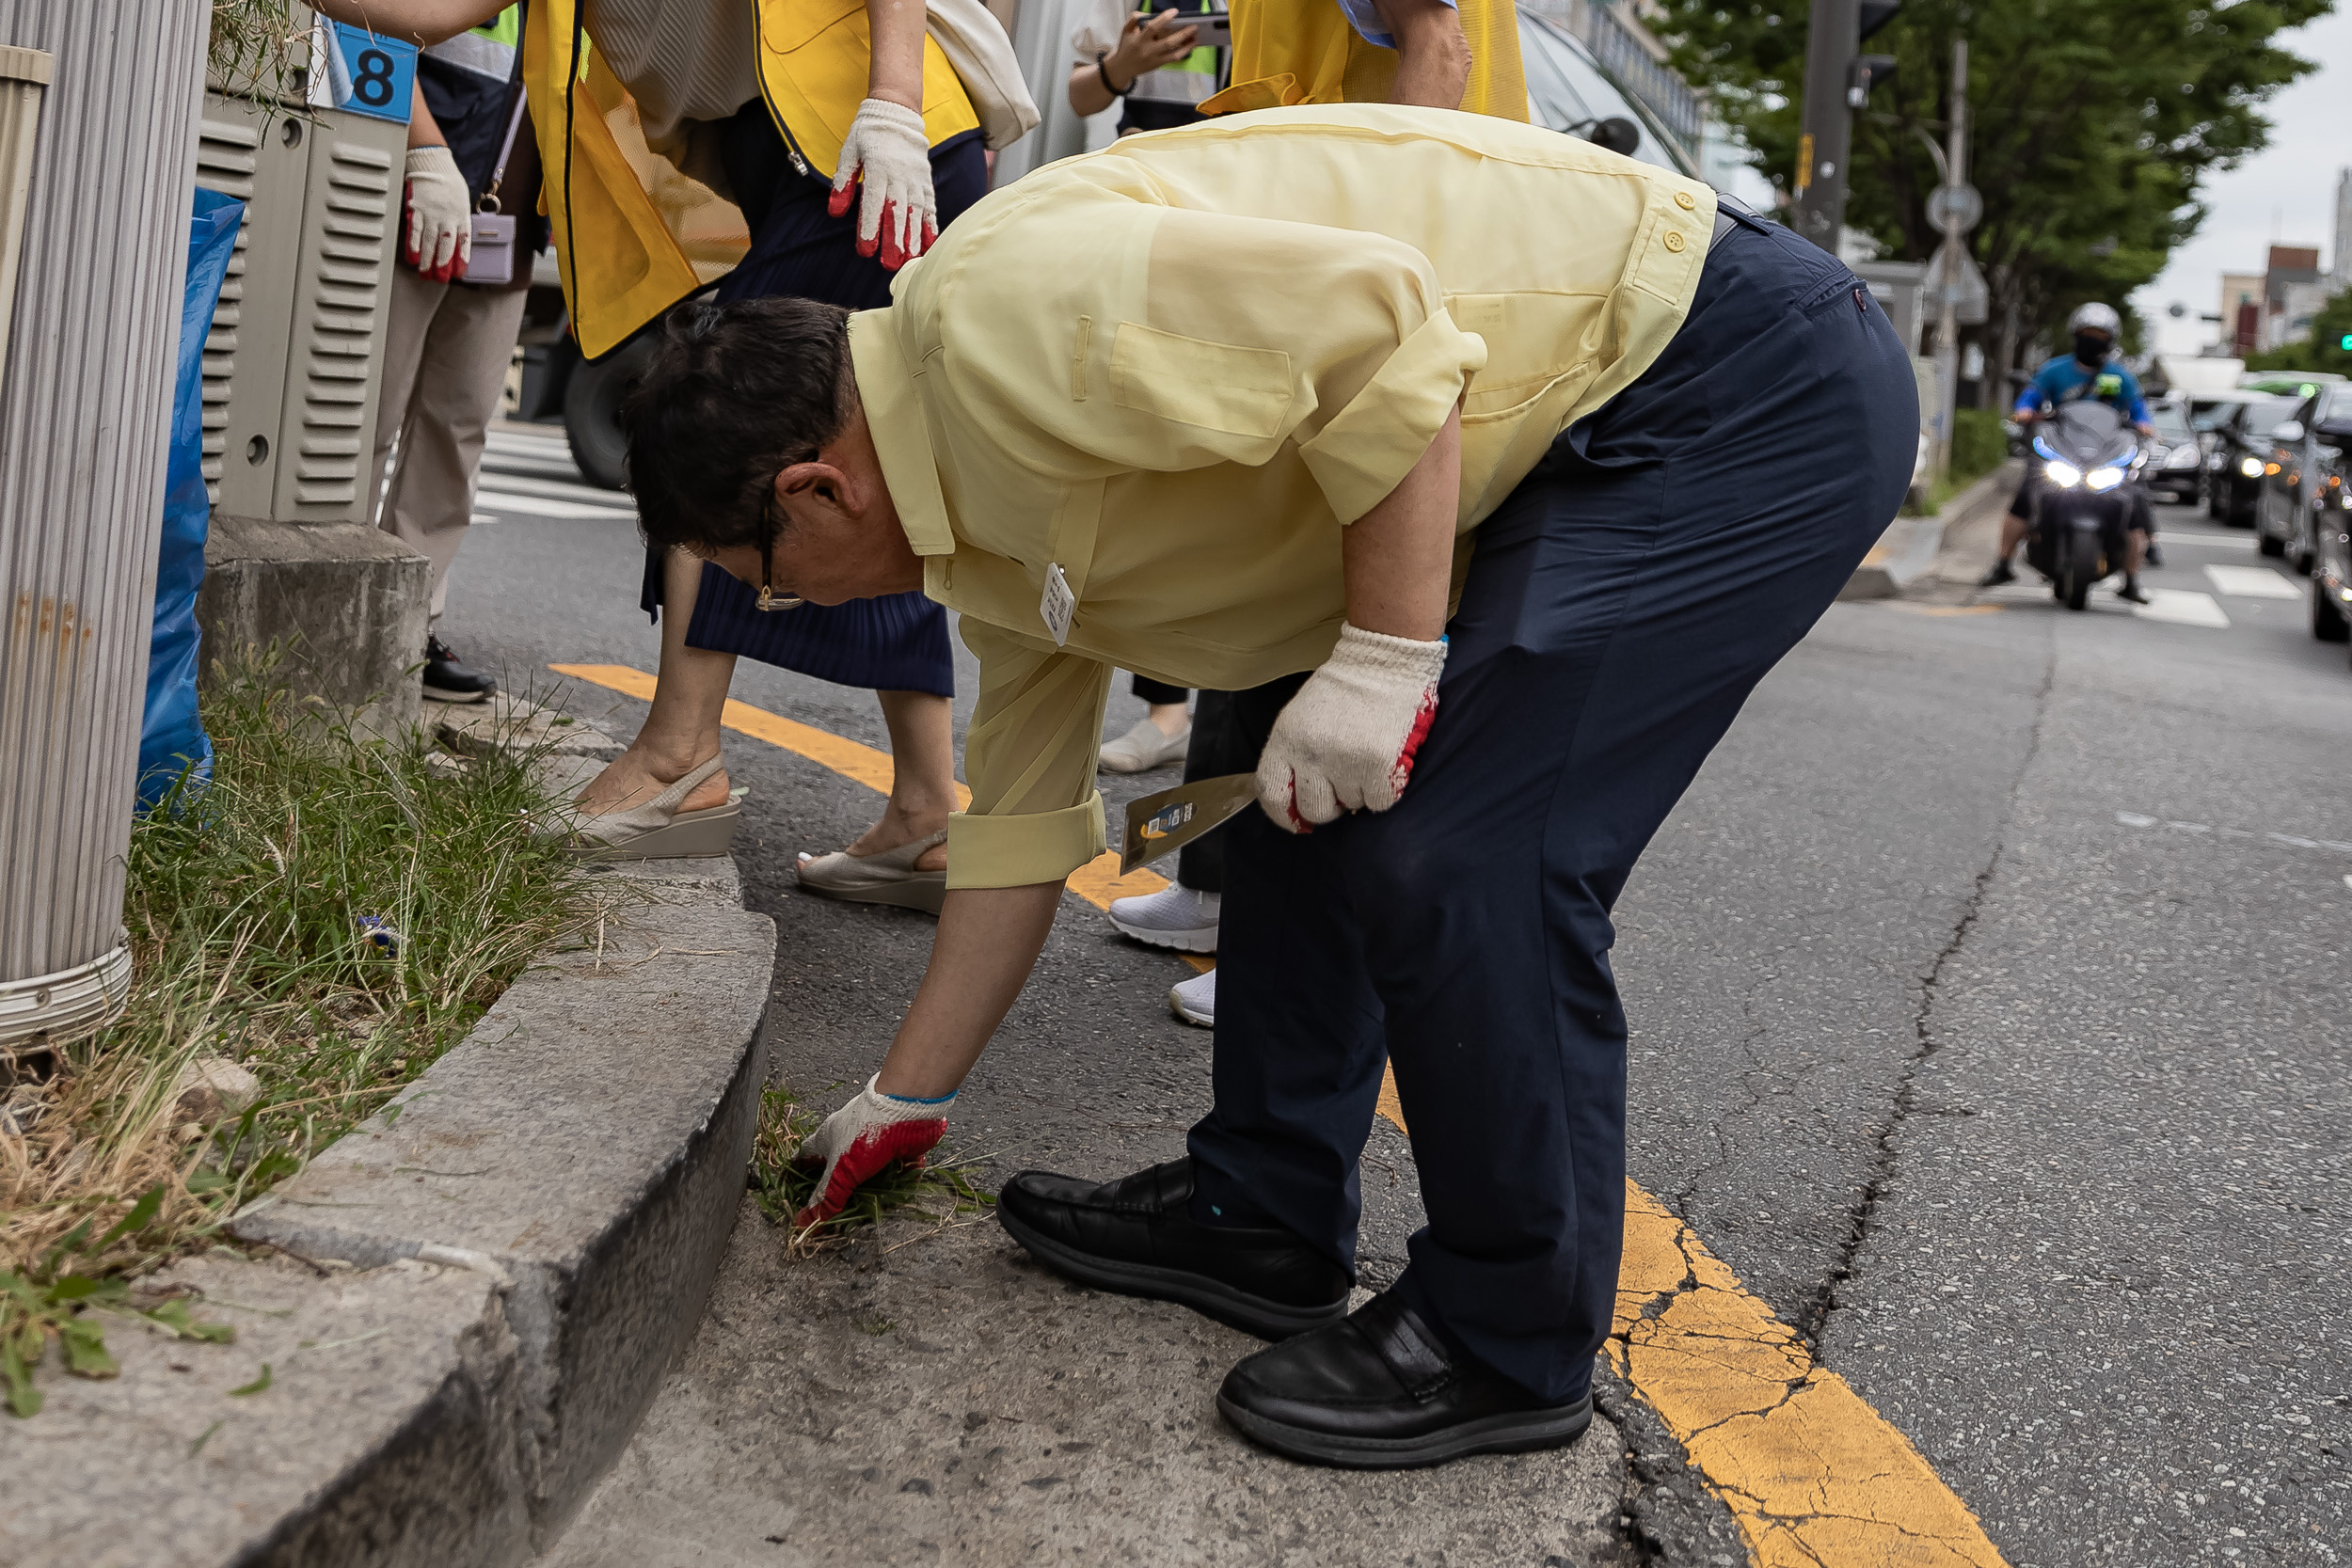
(1864, 73)
(2345, 343)
(1875, 14)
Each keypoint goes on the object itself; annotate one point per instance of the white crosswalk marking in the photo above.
(2182, 607)
(2179, 607)
(548, 506)
(525, 474)
(2252, 582)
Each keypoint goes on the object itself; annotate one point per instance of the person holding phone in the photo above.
(1158, 65)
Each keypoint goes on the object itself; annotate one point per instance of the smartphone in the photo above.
(1214, 30)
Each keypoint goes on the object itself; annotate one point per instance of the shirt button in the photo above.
(1685, 200)
(1674, 241)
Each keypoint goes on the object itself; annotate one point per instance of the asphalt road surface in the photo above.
(1989, 1001)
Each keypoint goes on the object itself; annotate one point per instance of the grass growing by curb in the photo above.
(934, 1190)
(330, 915)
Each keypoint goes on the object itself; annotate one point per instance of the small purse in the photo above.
(491, 265)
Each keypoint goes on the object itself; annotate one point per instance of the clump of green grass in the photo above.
(937, 1190)
(331, 914)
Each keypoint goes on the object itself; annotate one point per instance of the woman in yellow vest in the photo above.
(680, 139)
(1440, 53)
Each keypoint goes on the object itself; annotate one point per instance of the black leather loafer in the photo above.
(1137, 1237)
(1379, 1391)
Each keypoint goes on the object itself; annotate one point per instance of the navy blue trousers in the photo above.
(1620, 606)
(896, 642)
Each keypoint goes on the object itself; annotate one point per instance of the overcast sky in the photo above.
(2285, 192)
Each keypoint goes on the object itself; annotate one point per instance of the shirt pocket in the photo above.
(1220, 387)
(1535, 340)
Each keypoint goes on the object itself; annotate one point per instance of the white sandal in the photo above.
(657, 830)
(889, 877)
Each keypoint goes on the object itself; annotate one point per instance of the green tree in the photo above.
(2095, 126)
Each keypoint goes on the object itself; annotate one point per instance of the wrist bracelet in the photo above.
(1105, 75)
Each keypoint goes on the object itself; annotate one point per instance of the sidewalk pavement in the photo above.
(934, 1397)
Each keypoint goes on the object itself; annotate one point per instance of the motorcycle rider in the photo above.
(2092, 371)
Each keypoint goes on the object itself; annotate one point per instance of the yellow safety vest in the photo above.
(1304, 51)
(632, 235)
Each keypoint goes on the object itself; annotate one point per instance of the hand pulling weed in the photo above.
(935, 1190)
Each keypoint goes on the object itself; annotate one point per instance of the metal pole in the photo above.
(1827, 128)
(85, 406)
(1947, 312)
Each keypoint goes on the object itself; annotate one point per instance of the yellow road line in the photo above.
(1816, 1478)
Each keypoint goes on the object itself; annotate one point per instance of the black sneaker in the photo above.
(447, 681)
(1136, 1236)
(2154, 557)
(2131, 590)
(2002, 572)
(1380, 1391)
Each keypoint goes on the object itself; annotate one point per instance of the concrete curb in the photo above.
(476, 1294)
(1907, 550)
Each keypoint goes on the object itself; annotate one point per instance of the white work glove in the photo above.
(1346, 741)
(863, 1139)
(899, 212)
(437, 239)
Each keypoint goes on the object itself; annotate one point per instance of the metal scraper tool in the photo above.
(1174, 817)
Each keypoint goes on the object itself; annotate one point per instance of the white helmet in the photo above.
(2095, 317)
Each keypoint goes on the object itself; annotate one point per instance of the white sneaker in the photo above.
(1175, 916)
(1195, 999)
(1144, 747)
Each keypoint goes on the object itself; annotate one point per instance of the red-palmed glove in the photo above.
(863, 1139)
(1346, 741)
(898, 211)
(437, 233)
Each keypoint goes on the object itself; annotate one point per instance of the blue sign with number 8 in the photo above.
(368, 74)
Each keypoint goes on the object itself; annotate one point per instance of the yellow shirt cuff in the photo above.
(1370, 445)
(1019, 850)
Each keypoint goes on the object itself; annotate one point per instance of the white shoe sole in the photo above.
(1199, 940)
(1176, 1006)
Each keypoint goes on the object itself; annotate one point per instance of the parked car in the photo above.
(2298, 478)
(2176, 464)
(2286, 384)
(2331, 555)
(2242, 445)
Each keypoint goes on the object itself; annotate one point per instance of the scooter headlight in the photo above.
(2104, 480)
(2062, 473)
(2250, 467)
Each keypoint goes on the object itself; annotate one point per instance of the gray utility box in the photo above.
(292, 366)
(292, 372)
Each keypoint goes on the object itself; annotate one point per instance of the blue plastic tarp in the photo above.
(172, 738)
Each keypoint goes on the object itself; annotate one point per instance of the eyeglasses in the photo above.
(769, 598)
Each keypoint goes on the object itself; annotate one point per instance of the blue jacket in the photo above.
(2065, 380)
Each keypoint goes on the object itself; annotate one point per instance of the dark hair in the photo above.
(732, 395)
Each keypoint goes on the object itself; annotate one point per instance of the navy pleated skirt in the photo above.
(897, 642)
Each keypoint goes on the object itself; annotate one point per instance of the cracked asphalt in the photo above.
(1981, 1025)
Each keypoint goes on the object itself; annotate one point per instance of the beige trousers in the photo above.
(446, 349)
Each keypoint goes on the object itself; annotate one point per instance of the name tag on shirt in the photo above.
(1058, 604)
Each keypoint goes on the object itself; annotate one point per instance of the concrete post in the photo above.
(84, 411)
